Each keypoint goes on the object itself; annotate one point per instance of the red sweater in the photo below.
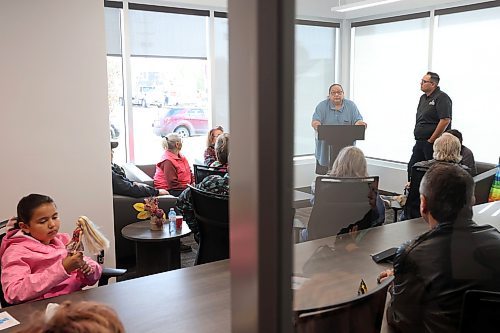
(173, 172)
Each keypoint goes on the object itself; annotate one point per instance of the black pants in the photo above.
(422, 151)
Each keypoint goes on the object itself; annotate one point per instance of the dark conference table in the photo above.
(198, 298)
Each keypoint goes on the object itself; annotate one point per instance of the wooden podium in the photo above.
(340, 136)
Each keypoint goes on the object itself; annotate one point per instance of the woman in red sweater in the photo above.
(173, 172)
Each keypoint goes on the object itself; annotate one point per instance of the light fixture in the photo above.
(361, 5)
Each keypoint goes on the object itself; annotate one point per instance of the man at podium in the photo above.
(335, 110)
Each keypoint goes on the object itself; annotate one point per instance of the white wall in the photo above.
(54, 117)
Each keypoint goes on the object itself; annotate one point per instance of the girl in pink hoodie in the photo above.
(35, 262)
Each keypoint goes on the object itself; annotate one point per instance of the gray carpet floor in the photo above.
(188, 258)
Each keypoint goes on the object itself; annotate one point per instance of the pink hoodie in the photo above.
(32, 270)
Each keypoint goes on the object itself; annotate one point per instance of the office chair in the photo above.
(203, 171)
(480, 312)
(411, 209)
(107, 273)
(341, 203)
(212, 215)
(362, 314)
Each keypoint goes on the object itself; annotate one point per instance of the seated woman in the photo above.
(209, 156)
(214, 184)
(221, 152)
(173, 172)
(35, 261)
(351, 162)
(446, 150)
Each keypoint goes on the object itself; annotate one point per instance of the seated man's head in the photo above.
(447, 148)
(446, 191)
(222, 148)
(172, 142)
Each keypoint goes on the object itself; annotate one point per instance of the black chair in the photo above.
(363, 314)
(411, 209)
(212, 215)
(480, 312)
(107, 273)
(203, 171)
(340, 203)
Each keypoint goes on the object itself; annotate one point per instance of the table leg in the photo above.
(157, 257)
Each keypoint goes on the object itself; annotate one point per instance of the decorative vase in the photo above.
(155, 223)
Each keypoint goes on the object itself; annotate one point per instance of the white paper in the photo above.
(6, 320)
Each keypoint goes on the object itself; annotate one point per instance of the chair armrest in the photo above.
(483, 183)
(108, 273)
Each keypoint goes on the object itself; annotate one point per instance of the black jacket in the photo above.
(433, 272)
(123, 186)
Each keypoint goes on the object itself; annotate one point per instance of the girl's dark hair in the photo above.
(28, 204)
(209, 137)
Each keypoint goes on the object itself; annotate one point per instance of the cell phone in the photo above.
(385, 256)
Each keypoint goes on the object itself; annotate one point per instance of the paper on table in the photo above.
(6, 320)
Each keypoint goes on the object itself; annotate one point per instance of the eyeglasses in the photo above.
(336, 93)
(425, 81)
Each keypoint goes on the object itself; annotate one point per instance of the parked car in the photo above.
(147, 96)
(183, 121)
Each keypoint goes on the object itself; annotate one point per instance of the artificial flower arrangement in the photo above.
(149, 210)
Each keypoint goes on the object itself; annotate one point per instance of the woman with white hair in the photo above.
(173, 172)
(351, 163)
(446, 150)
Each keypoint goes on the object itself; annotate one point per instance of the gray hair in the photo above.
(170, 140)
(350, 162)
(447, 148)
(222, 148)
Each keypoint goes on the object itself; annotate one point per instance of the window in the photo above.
(169, 70)
(314, 73)
(466, 57)
(115, 82)
(388, 61)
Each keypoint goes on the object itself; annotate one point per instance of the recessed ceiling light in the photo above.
(361, 5)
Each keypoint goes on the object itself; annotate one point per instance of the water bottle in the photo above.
(171, 221)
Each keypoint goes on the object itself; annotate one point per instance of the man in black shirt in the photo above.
(124, 186)
(433, 118)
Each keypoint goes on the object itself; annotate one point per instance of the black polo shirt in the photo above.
(430, 110)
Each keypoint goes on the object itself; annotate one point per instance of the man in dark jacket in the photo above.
(432, 272)
(124, 186)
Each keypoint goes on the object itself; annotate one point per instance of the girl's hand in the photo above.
(73, 261)
(86, 268)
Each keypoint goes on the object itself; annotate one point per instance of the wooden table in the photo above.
(156, 250)
(334, 274)
(197, 299)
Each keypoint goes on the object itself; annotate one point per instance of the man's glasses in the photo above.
(336, 93)
(425, 81)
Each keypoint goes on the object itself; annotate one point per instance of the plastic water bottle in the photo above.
(171, 221)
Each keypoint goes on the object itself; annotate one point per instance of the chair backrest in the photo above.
(203, 171)
(3, 302)
(363, 314)
(212, 215)
(412, 206)
(480, 312)
(340, 202)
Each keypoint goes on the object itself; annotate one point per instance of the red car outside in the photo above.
(183, 121)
